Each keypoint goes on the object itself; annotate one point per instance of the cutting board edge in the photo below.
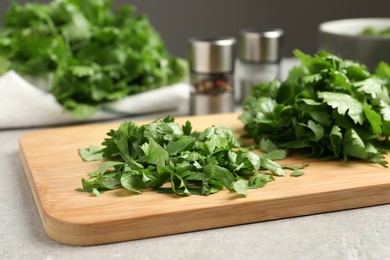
(42, 213)
(80, 234)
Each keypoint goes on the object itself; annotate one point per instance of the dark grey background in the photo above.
(178, 20)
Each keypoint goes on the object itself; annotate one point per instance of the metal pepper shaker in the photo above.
(260, 52)
(211, 62)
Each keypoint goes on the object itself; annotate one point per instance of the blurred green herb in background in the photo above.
(371, 31)
(96, 55)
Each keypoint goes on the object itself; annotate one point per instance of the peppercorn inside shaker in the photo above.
(211, 63)
(259, 59)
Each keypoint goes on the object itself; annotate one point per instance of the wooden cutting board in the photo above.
(54, 169)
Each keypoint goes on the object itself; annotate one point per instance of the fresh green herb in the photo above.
(294, 168)
(95, 55)
(168, 158)
(327, 108)
(296, 173)
(371, 31)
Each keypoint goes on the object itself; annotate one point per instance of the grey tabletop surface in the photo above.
(351, 234)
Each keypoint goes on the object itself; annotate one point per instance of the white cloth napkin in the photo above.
(24, 105)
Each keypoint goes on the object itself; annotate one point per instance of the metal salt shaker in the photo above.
(211, 62)
(260, 53)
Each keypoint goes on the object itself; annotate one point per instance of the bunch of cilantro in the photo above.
(95, 54)
(170, 158)
(327, 108)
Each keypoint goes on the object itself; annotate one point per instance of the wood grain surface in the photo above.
(54, 169)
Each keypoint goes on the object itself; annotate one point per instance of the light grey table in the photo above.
(351, 234)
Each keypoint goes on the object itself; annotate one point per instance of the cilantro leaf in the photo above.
(182, 142)
(276, 155)
(259, 180)
(154, 153)
(131, 182)
(344, 103)
(335, 138)
(104, 167)
(296, 173)
(92, 153)
(316, 129)
(275, 168)
(241, 187)
(373, 118)
(373, 87)
(267, 145)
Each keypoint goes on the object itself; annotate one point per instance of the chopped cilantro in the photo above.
(168, 158)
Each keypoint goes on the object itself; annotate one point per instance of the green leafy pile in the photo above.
(170, 158)
(327, 108)
(95, 54)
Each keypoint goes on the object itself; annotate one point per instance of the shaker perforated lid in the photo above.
(211, 55)
(260, 45)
